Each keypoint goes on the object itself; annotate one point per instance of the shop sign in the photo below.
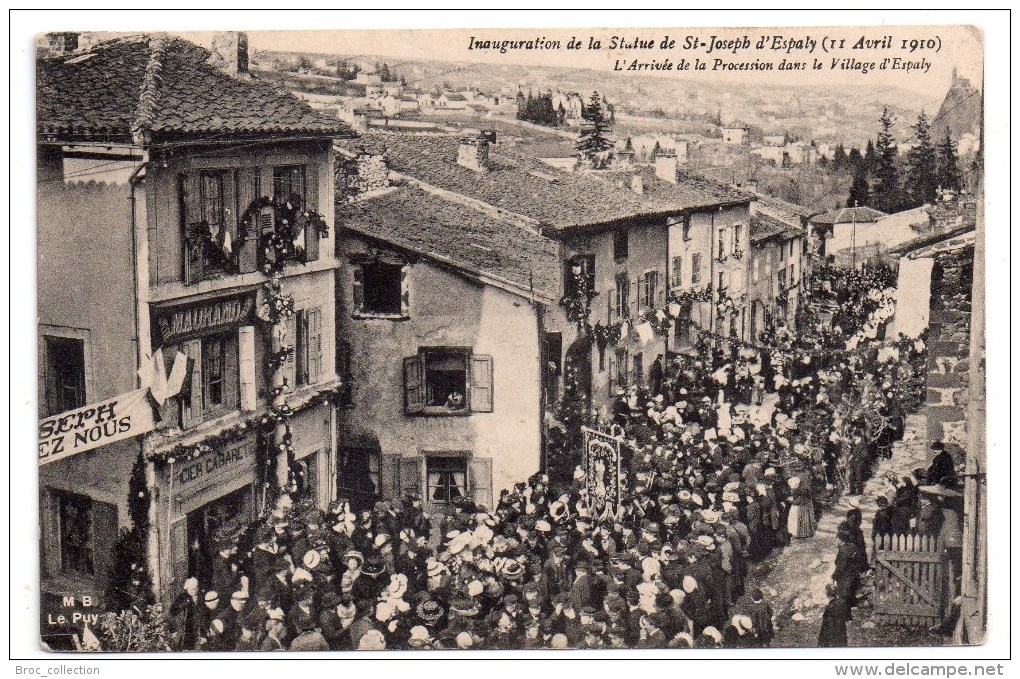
(170, 325)
(94, 425)
(214, 464)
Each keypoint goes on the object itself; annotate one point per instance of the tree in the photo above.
(947, 174)
(870, 159)
(839, 159)
(922, 171)
(855, 160)
(594, 144)
(886, 195)
(859, 188)
(130, 584)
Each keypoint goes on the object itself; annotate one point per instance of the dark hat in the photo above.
(429, 611)
(464, 607)
(304, 622)
(374, 566)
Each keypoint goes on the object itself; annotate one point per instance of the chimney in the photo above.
(229, 53)
(490, 136)
(473, 153)
(666, 165)
(58, 44)
(636, 185)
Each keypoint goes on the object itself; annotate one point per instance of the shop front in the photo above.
(205, 501)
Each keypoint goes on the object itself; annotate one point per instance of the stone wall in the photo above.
(949, 345)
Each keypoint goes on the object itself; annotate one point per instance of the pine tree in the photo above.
(594, 143)
(870, 159)
(839, 159)
(948, 165)
(887, 192)
(855, 160)
(859, 188)
(130, 583)
(922, 171)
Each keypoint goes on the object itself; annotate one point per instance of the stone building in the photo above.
(164, 173)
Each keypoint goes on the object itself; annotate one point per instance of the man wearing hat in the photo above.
(210, 611)
(761, 619)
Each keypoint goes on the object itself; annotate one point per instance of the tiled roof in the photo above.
(430, 225)
(691, 191)
(845, 215)
(783, 205)
(154, 86)
(557, 200)
(765, 226)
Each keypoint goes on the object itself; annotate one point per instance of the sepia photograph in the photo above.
(511, 339)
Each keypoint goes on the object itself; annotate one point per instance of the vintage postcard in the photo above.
(591, 338)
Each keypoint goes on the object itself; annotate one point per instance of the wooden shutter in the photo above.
(414, 384)
(389, 475)
(191, 208)
(411, 476)
(632, 297)
(300, 340)
(231, 372)
(405, 293)
(480, 480)
(247, 194)
(291, 339)
(311, 203)
(637, 307)
(266, 224)
(104, 533)
(610, 301)
(49, 505)
(611, 367)
(246, 367)
(660, 289)
(589, 273)
(191, 407)
(313, 345)
(179, 552)
(358, 288)
(481, 383)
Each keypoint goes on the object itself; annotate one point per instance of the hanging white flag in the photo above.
(644, 332)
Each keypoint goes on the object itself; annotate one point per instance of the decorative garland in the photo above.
(578, 304)
(261, 423)
(276, 307)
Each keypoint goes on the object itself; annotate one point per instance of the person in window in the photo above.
(455, 401)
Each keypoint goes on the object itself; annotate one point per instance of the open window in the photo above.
(380, 290)
(445, 381)
(579, 268)
(214, 387)
(64, 374)
(621, 245)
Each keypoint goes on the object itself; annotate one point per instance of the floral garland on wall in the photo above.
(578, 304)
(261, 424)
(661, 319)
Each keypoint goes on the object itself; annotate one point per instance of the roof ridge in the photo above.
(153, 78)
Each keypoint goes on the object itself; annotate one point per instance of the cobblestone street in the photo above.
(796, 576)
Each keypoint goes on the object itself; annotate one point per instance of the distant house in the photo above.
(776, 269)
(841, 227)
(452, 101)
(774, 140)
(735, 135)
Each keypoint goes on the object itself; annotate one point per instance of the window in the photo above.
(214, 351)
(76, 535)
(722, 281)
(622, 298)
(64, 374)
(447, 479)
(639, 369)
(677, 279)
(737, 228)
(756, 268)
(212, 207)
(621, 367)
(308, 346)
(306, 478)
(359, 473)
(782, 279)
(793, 273)
(289, 185)
(791, 248)
(208, 210)
(696, 268)
(782, 252)
(215, 378)
(448, 381)
(620, 244)
(651, 287)
(687, 227)
(721, 245)
(583, 266)
(380, 289)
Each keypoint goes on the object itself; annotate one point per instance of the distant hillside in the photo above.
(827, 114)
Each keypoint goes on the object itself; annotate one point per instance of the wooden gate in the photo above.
(910, 580)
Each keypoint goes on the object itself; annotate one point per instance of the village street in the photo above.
(796, 576)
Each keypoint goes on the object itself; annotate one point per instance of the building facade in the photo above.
(207, 189)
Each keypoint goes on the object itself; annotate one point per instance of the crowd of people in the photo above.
(725, 454)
